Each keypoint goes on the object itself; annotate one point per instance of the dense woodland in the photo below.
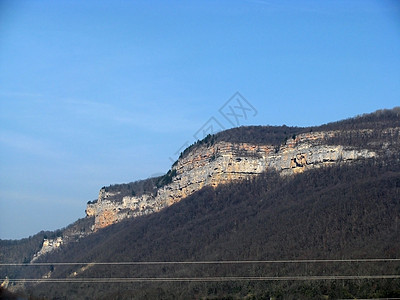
(338, 212)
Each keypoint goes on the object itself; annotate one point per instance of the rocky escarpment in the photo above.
(223, 162)
(55, 240)
(49, 245)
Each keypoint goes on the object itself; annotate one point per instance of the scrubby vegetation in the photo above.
(167, 178)
(140, 187)
(137, 188)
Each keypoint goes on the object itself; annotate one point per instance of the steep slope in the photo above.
(233, 154)
(24, 250)
(345, 211)
(242, 153)
(242, 194)
(222, 163)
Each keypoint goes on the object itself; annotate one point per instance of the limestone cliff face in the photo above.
(221, 163)
(49, 245)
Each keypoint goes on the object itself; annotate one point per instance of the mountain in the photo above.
(242, 153)
(245, 194)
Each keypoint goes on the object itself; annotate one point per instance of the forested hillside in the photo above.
(23, 251)
(347, 211)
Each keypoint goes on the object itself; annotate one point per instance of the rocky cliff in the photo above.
(223, 162)
(48, 245)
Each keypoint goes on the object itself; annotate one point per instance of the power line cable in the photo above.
(204, 279)
(361, 260)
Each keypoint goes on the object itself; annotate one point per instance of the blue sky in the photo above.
(100, 92)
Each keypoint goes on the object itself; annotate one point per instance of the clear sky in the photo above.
(100, 92)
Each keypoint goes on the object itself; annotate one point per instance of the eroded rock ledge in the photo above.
(222, 163)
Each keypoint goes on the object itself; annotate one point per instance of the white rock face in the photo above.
(222, 163)
(49, 245)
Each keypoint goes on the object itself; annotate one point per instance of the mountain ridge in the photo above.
(297, 147)
(276, 136)
(317, 194)
(338, 212)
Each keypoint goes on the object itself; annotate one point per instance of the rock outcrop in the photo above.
(223, 162)
(48, 245)
(73, 233)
